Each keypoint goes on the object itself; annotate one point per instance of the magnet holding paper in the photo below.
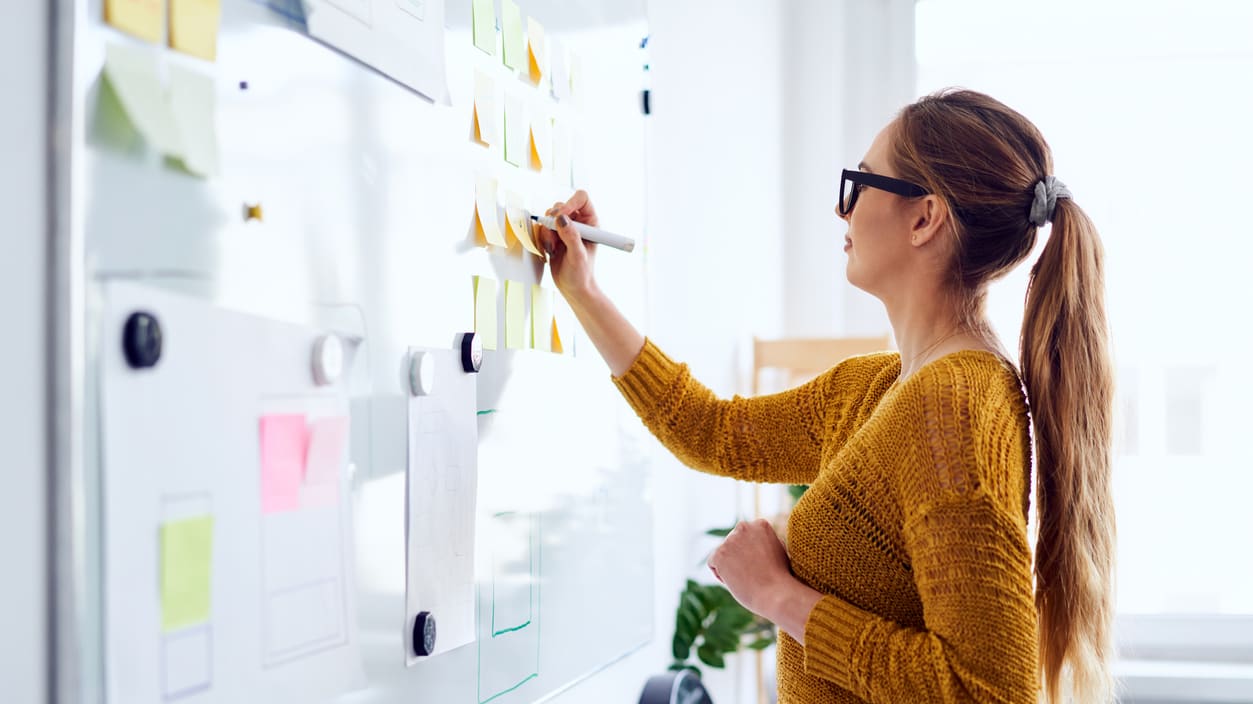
(421, 374)
(471, 353)
(141, 340)
(424, 634)
(328, 360)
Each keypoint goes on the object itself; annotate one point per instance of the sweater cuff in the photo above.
(648, 379)
(831, 633)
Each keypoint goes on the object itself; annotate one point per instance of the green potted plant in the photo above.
(711, 624)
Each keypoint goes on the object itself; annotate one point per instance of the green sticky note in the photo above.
(515, 315)
(513, 36)
(517, 136)
(186, 571)
(485, 311)
(484, 23)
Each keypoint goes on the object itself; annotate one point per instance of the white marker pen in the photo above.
(591, 234)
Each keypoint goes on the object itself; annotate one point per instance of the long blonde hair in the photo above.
(984, 159)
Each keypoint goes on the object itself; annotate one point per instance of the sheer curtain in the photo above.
(1148, 107)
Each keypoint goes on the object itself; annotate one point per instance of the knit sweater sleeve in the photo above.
(776, 438)
(967, 542)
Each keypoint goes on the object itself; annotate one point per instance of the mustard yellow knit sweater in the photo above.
(914, 526)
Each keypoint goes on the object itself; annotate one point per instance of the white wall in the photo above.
(849, 69)
(715, 250)
(23, 37)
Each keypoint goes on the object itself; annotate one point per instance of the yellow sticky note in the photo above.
(132, 73)
(142, 18)
(541, 142)
(535, 50)
(541, 318)
(513, 37)
(484, 24)
(485, 213)
(557, 346)
(515, 315)
(194, 27)
(518, 223)
(484, 108)
(193, 104)
(485, 311)
(515, 130)
(186, 571)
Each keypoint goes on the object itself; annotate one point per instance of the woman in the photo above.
(907, 575)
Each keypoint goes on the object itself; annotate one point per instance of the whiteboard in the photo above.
(368, 197)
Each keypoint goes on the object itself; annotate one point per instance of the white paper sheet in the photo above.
(180, 440)
(442, 490)
(404, 39)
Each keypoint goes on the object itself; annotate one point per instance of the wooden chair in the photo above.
(800, 359)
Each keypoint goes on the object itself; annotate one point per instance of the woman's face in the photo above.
(878, 243)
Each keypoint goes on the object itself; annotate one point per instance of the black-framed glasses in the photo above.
(852, 182)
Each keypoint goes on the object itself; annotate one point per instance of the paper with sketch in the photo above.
(208, 596)
(132, 73)
(442, 485)
(403, 39)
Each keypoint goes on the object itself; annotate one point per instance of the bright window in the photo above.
(1148, 107)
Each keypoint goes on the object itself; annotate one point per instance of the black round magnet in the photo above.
(471, 352)
(141, 340)
(424, 634)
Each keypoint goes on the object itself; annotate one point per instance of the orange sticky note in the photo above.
(557, 346)
(485, 311)
(484, 108)
(194, 27)
(518, 223)
(141, 18)
(535, 50)
(485, 215)
(541, 142)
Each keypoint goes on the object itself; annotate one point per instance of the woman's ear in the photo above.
(928, 216)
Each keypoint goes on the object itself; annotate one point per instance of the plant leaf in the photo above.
(761, 644)
(710, 656)
(681, 646)
(720, 532)
(796, 491)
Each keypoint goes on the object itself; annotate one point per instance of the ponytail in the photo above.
(1068, 375)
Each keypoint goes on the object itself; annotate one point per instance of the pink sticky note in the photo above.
(283, 442)
(327, 439)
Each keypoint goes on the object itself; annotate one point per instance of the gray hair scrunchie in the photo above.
(1047, 191)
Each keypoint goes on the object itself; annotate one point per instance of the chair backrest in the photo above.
(804, 358)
